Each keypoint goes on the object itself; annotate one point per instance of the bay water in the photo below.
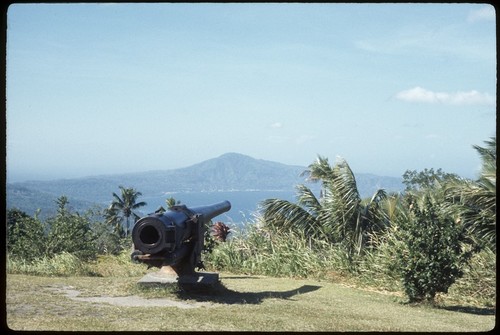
(244, 204)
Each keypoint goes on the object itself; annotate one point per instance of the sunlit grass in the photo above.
(66, 264)
(242, 303)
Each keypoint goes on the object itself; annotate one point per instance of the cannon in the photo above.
(173, 240)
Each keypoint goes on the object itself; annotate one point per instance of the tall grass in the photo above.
(377, 267)
(66, 264)
(478, 284)
(284, 254)
(59, 265)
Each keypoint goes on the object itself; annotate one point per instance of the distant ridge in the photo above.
(228, 172)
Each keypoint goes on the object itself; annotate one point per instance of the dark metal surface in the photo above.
(175, 237)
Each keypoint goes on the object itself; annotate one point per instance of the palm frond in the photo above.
(375, 217)
(344, 192)
(474, 204)
(285, 215)
(117, 202)
(378, 196)
(139, 204)
(319, 170)
(307, 200)
(125, 205)
(488, 153)
(489, 159)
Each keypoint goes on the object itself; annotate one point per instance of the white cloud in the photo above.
(486, 13)
(419, 94)
(277, 125)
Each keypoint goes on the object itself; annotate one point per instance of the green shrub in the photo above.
(431, 257)
(70, 233)
(25, 236)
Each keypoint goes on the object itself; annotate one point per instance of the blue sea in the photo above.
(244, 204)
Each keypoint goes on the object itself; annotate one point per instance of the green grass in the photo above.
(66, 264)
(240, 303)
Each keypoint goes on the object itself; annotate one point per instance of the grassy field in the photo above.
(240, 303)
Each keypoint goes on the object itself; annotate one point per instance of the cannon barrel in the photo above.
(171, 235)
(211, 211)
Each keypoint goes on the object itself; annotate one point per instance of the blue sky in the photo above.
(114, 88)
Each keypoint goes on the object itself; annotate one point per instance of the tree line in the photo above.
(95, 232)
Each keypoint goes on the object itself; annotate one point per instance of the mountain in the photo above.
(236, 172)
(230, 172)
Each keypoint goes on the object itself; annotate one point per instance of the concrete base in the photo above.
(167, 276)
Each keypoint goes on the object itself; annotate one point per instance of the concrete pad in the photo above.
(198, 278)
(158, 278)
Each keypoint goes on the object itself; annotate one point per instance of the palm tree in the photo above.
(474, 202)
(339, 215)
(114, 219)
(125, 205)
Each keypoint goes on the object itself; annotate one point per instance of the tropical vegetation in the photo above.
(122, 208)
(436, 238)
(84, 236)
(440, 232)
(339, 216)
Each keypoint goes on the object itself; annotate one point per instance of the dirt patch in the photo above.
(128, 301)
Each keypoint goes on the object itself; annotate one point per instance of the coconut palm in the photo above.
(114, 219)
(125, 205)
(474, 202)
(283, 215)
(339, 215)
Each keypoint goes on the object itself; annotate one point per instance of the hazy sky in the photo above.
(113, 88)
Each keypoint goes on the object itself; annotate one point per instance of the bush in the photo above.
(431, 257)
(25, 236)
(70, 233)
